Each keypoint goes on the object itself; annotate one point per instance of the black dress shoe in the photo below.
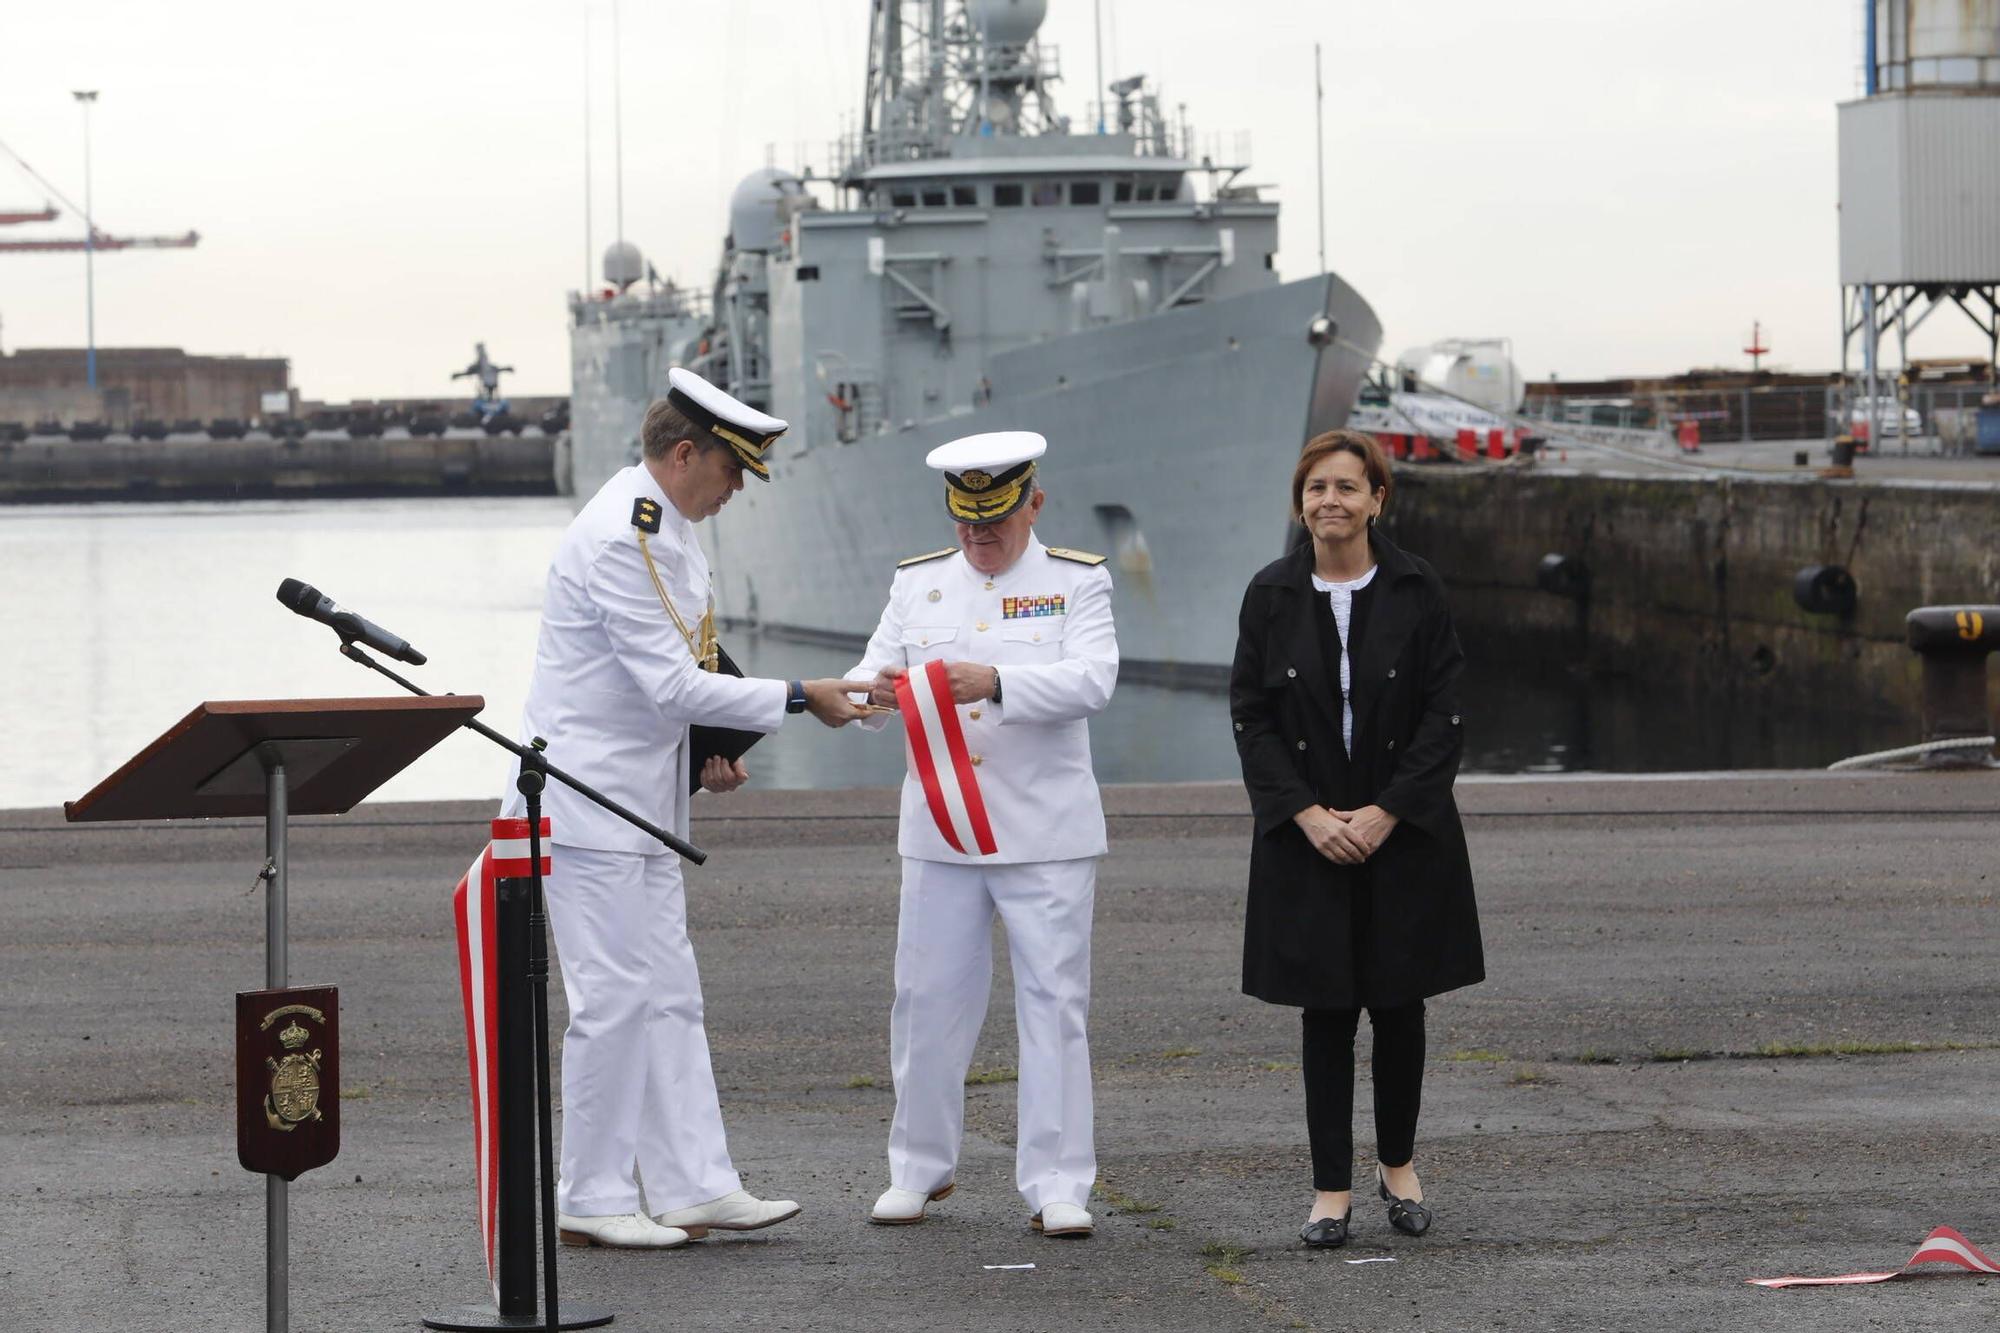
(1406, 1215)
(1326, 1233)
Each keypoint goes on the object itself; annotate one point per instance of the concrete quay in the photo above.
(1736, 1026)
(322, 465)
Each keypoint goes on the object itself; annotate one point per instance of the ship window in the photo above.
(808, 273)
(1958, 69)
(1145, 194)
(1047, 193)
(1083, 192)
(964, 196)
(934, 198)
(903, 199)
(1121, 193)
(1007, 195)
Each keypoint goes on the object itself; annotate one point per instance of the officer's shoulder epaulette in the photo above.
(1081, 557)
(927, 557)
(646, 514)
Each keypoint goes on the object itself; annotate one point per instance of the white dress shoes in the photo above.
(1061, 1219)
(737, 1211)
(902, 1208)
(619, 1231)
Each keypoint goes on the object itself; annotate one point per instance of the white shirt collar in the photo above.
(1346, 585)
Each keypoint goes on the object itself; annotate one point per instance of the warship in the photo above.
(981, 263)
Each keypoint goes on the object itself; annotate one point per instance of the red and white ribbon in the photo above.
(935, 743)
(1942, 1246)
(505, 857)
(510, 848)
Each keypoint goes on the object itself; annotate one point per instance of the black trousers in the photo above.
(1329, 1075)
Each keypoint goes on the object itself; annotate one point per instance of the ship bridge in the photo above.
(971, 219)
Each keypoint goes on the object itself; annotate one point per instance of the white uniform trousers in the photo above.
(638, 1096)
(944, 972)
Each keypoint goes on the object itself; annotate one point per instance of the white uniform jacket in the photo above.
(615, 685)
(1046, 624)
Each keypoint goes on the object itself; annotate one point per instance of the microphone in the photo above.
(313, 604)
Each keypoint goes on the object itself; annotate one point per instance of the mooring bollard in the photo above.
(1563, 575)
(1954, 642)
(1825, 590)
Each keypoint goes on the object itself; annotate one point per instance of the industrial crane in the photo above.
(98, 240)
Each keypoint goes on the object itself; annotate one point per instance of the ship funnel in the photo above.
(1007, 22)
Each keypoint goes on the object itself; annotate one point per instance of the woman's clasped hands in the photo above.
(1345, 837)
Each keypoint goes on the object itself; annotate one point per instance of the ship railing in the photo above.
(664, 303)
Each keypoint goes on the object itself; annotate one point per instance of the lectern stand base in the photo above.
(473, 1317)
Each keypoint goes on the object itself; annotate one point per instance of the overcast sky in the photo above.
(1620, 186)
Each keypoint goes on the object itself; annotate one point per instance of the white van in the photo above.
(1892, 418)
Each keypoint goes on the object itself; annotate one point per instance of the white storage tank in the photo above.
(1479, 370)
(1936, 44)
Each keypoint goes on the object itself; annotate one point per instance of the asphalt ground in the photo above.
(1735, 1027)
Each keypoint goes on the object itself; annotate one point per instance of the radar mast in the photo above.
(943, 70)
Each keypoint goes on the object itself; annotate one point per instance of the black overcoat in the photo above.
(1284, 701)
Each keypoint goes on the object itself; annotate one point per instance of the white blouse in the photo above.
(1341, 596)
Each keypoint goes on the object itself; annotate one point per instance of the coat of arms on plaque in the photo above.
(294, 1095)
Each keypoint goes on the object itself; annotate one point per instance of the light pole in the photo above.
(88, 99)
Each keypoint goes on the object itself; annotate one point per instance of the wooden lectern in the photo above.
(278, 758)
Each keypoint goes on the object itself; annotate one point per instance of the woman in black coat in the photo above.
(1344, 695)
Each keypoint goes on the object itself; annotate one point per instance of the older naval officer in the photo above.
(1026, 631)
(626, 661)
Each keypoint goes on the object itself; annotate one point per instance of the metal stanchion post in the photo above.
(277, 969)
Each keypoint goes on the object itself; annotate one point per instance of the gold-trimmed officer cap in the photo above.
(987, 477)
(740, 426)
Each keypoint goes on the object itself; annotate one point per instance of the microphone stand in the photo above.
(534, 775)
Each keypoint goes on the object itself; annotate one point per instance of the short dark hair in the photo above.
(666, 425)
(1360, 443)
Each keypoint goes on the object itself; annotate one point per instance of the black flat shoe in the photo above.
(1406, 1215)
(1326, 1233)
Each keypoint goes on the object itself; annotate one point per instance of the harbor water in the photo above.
(120, 618)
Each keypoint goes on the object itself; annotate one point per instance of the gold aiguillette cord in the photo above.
(707, 652)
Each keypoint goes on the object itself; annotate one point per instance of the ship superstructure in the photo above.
(980, 263)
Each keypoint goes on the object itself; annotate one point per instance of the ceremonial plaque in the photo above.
(287, 1079)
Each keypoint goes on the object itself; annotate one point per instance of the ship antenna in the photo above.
(1319, 151)
(618, 112)
(1097, 32)
(589, 243)
(985, 60)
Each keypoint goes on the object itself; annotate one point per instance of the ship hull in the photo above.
(1171, 445)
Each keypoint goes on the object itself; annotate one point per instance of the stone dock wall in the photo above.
(72, 470)
(1691, 577)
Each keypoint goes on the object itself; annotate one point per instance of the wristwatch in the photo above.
(795, 696)
(996, 685)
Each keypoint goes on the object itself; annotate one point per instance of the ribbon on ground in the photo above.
(935, 745)
(1942, 1246)
(505, 857)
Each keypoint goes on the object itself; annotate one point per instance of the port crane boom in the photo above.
(102, 241)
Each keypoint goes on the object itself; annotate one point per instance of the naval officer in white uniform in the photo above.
(1026, 630)
(626, 661)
